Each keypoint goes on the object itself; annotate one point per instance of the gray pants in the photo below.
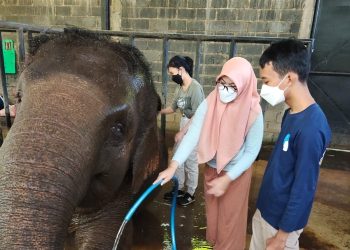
(187, 173)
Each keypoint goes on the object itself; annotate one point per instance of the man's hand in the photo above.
(167, 174)
(12, 109)
(219, 185)
(278, 242)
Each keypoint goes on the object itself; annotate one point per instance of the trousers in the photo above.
(262, 231)
(187, 173)
(227, 215)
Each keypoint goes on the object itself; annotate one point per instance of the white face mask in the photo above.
(273, 95)
(227, 94)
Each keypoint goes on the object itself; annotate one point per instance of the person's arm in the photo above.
(197, 98)
(167, 110)
(171, 109)
(252, 147)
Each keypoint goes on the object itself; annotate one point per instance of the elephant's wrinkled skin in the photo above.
(84, 140)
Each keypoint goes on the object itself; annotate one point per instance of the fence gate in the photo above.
(329, 81)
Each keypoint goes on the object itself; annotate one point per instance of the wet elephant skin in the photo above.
(84, 142)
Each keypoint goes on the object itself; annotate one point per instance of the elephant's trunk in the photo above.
(44, 172)
(39, 191)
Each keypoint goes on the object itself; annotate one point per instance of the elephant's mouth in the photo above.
(111, 209)
(100, 196)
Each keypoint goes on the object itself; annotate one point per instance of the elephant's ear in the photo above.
(149, 158)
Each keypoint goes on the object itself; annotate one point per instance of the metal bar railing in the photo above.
(233, 48)
(21, 46)
(164, 80)
(132, 40)
(11, 26)
(4, 85)
(325, 73)
(198, 60)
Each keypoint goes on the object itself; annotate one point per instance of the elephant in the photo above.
(84, 143)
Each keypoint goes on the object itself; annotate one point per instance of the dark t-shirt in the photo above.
(289, 183)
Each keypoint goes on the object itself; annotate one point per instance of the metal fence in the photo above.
(21, 29)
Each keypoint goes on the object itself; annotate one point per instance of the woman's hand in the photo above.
(167, 174)
(219, 185)
(178, 137)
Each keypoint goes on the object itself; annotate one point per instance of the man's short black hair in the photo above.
(288, 55)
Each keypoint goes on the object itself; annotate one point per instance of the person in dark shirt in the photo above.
(289, 183)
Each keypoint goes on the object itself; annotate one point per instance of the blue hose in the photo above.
(172, 214)
(140, 200)
(137, 204)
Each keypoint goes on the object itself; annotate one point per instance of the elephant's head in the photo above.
(86, 127)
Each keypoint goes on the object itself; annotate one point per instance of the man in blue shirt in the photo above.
(289, 183)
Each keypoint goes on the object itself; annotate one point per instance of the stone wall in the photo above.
(272, 18)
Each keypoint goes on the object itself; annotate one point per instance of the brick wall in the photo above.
(273, 18)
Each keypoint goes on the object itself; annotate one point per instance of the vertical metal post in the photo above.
(198, 59)
(132, 40)
(105, 15)
(164, 81)
(4, 85)
(30, 35)
(315, 18)
(21, 45)
(314, 25)
(233, 48)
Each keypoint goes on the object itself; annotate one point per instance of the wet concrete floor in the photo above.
(328, 227)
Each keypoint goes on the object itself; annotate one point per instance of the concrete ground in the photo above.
(328, 227)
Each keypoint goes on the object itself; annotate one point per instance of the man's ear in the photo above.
(292, 77)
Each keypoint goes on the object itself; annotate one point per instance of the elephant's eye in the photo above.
(118, 130)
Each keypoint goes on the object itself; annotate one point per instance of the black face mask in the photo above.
(178, 79)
